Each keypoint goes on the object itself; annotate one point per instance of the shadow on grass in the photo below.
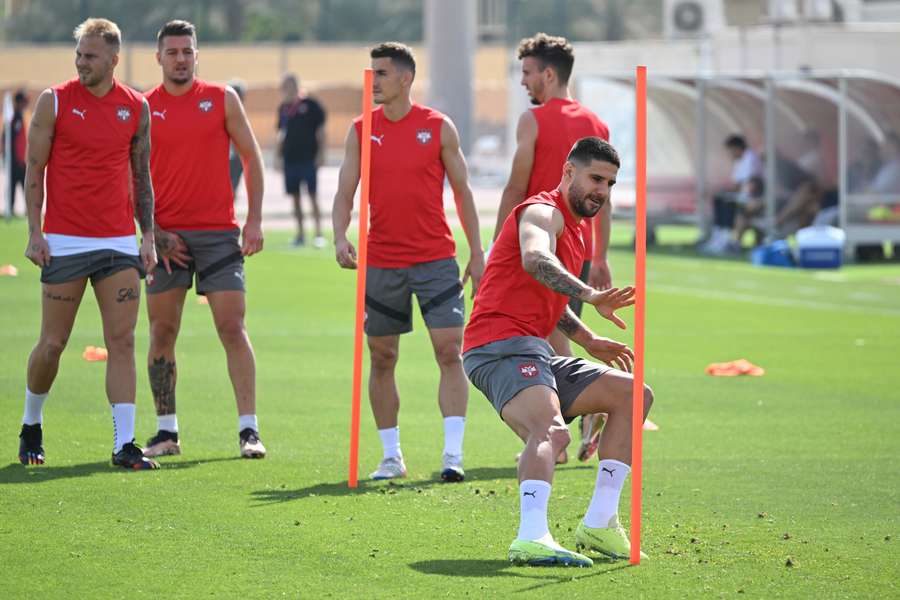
(17, 473)
(340, 488)
(543, 576)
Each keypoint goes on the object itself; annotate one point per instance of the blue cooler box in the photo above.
(820, 247)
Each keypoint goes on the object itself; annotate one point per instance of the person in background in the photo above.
(300, 151)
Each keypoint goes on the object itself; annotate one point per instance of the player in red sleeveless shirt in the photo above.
(411, 249)
(524, 294)
(545, 135)
(93, 136)
(194, 124)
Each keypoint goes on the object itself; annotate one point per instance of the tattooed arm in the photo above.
(40, 141)
(539, 226)
(613, 353)
(140, 171)
(143, 187)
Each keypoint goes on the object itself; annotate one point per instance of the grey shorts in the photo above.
(504, 368)
(217, 263)
(97, 265)
(389, 293)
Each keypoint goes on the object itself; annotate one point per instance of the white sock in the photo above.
(34, 407)
(390, 441)
(167, 423)
(534, 495)
(123, 424)
(611, 475)
(245, 421)
(454, 428)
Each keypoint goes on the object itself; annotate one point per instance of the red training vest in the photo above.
(510, 302)
(407, 224)
(189, 158)
(561, 123)
(89, 169)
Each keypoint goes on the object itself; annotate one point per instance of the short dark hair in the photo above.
(736, 141)
(176, 28)
(552, 51)
(401, 55)
(21, 96)
(593, 148)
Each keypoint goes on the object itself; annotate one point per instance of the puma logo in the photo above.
(378, 139)
(457, 311)
(532, 494)
(610, 471)
(80, 113)
(161, 115)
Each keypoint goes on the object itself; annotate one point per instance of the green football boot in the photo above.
(539, 554)
(610, 541)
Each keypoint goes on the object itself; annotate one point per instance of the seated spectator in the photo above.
(725, 203)
(804, 200)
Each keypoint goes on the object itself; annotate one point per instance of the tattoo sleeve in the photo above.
(162, 384)
(140, 172)
(571, 325)
(547, 269)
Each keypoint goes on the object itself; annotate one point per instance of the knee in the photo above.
(383, 359)
(120, 342)
(163, 333)
(51, 348)
(448, 354)
(559, 436)
(231, 331)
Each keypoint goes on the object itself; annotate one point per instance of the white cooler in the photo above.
(820, 247)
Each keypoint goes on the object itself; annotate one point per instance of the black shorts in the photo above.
(294, 173)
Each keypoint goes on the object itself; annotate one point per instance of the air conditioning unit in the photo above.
(692, 18)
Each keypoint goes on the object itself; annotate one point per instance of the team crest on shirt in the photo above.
(528, 369)
(123, 113)
(423, 136)
(205, 105)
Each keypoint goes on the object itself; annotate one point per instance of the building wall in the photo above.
(331, 72)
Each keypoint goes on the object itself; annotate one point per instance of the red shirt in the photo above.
(561, 123)
(189, 158)
(510, 302)
(89, 169)
(407, 224)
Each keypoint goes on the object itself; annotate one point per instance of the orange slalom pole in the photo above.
(640, 284)
(365, 164)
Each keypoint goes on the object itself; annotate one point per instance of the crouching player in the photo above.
(523, 296)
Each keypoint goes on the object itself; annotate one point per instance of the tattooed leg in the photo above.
(162, 384)
(59, 306)
(118, 301)
(164, 310)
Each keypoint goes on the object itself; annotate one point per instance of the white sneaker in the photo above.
(320, 242)
(452, 469)
(389, 468)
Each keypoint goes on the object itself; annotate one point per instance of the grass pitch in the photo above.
(780, 486)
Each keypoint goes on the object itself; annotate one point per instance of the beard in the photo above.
(91, 78)
(533, 94)
(581, 201)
